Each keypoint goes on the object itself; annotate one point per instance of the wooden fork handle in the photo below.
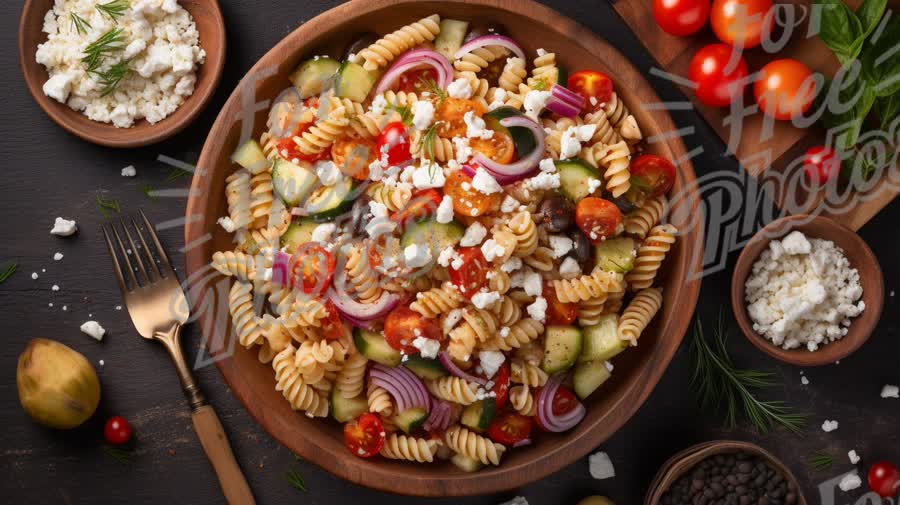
(218, 450)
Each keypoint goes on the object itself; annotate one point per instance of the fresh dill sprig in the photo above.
(820, 460)
(79, 23)
(718, 383)
(405, 112)
(430, 85)
(114, 9)
(117, 454)
(176, 174)
(108, 205)
(9, 268)
(110, 42)
(148, 191)
(426, 142)
(112, 77)
(295, 480)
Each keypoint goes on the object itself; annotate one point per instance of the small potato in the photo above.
(596, 500)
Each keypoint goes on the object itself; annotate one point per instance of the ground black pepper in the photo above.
(731, 479)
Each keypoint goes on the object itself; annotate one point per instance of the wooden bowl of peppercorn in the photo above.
(715, 470)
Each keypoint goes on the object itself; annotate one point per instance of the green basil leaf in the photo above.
(888, 108)
(881, 59)
(840, 29)
(869, 14)
(848, 124)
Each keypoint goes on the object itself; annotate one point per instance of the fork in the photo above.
(158, 309)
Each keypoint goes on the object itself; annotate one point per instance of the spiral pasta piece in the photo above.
(305, 312)
(400, 98)
(437, 301)
(522, 401)
(638, 313)
(394, 197)
(541, 259)
(237, 193)
(452, 389)
(596, 285)
(274, 332)
(590, 311)
(522, 226)
(247, 325)
(362, 277)
(385, 49)
(439, 148)
(380, 401)
(419, 450)
(296, 391)
(507, 311)
(498, 281)
(639, 221)
(617, 176)
(478, 59)
(526, 373)
(477, 325)
(468, 443)
(261, 197)
(605, 133)
(513, 74)
(616, 111)
(531, 353)
(321, 135)
(311, 359)
(650, 256)
(545, 72)
(235, 264)
(352, 378)
(520, 333)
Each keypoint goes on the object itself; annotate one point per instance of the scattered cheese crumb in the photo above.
(101, 362)
(533, 284)
(804, 380)
(423, 114)
(547, 165)
(889, 391)
(428, 175)
(594, 184)
(446, 256)
(854, 458)
(93, 329)
(476, 128)
(129, 171)
(34, 275)
(474, 235)
(55, 287)
(485, 182)
(538, 309)
(460, 88)
(227, 224)
(543, 180)
(518, 500)
(63, 227)
(601, 466)
(416, 256)
(850, 482)
(323, 232)
(491, 250)
(534, 103)
(484, 299)
(561, 245)
(829, 426)
(569, 268)
(57, 256)
(427, 347)
(512, 264)
(444, 213)
(490, 362)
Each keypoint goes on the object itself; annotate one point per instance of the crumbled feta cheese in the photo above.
(593, 101)
(547, 165)
(796, 243)
(498, 100)
(65, 307)
(34, 275)
(463, 150)
(543, 180)
(460, 88)
(512, 264)
(609, 366)
(594, 184)
(63, 227)
(533, 284)
(450, 320)
(54, 288)
(538, 309)
(484, 299)
(474, 235)
(416, 255)
(601, 466)
(380, 222)
(850, 482)
(93, 329)
(504, 332)
(804, 380)
(59, 85)
(378, 105)
(518, 500)
(227, 224)
(57, 256)
(889, 391)
(829, 426)
(485, 182)
(490, 362)
(573, 137)
(101, 362)
(456, 264)
(534, 103)
(446, 256)
(854, 458)
(569, 268)
(323, 232)
(491, 250)
(423, 114)
(444, 212)
(541, 51)
(428, 347)
(329, 174)
(428, 175)
(561, 245)
(509, 204)
(476, 127)
(129, 171)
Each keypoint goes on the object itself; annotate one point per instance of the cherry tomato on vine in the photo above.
(365, 436)
(590, 83)
(403, 325)
(741, 23)
(394, 140)
(884, 479)
(681, 17)
(652, 175)
(785, 89)
(821, 164)
(510, 428)
(599, 219)
(471, 276)
(117, 431)
(715, 87)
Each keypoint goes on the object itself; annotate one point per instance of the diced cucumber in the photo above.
(322, 205)
(429, 232)
(345, 409)
(562, 77)
(478, 416)
(562, 348)
(466, 463)
(425, 368)
(451, 37)
(589, 375)
(298, 233)
(353, 82)
(250, 156)
(411, 420)
(523, 138)
(601, 341)
(292, 183)
(615, 254)
(314, 75)
(573, 178)
(373, 346)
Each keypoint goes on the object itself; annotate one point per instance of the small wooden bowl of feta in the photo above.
(120, 73)
(807, 290)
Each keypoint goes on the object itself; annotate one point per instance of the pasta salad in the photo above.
(442, 243)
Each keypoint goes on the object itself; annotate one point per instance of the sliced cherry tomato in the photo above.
(423, 204)
(117, 431)
(452, 112)
(716, 88)
(821, 164)
(288, 149)
(403, 325)
(312, 268)
(599, 219)
(417, 80)
(394, 140)
(563, 402)
(353, 156)
(472, 275)
(332, 327)
(681, 17)
(499, 147)
(652, 175)
(742, 23)
(884, 479)
(365, 436)
(501, 386)
(785, 89)
(557, 311)
(510, 428)
(590, 83)
(467, 200)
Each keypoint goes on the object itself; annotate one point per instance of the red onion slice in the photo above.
(456, 371)
(403, 385)
(417, 58)
(362, 311)
(503, 180)
(568, 96)
(561, 107)
(522, 443)
(550, 421)
(490, 40)
(280, 270)
(526, 164)
(393, 386)
(439, 418)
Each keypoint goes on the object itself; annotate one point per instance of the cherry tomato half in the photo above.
(472, 275)
(557, 311)
(652, 175)
(884, 479)
(452, 112)
(510, 428)
(312, 268)
(741, 23)
(117, 431)
(403, 325)
(394, 140)
(417, 80)
(501, 386)
(499, 147)
(785, 89)
(288, 149)
(365, 436)
(681, 17)
(599, 219)
(821, 164)
(468, 201)
(423, 204)
(332, 326)
(353, 156)
(716, 88)
(563, 402)
(590, 83)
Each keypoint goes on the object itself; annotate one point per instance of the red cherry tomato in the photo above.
(288, 149)
(117, 431)
(332, 326)
(741, 23)
(785, 89)
(312, 268)
(423, 204)
(557, 311)
(501, 386)
(821, 164)
(365, 436)
(590, 83)
(510, 428)
(403, 325)
(599, 219)
(417, 81)
(394, 140)
(681, 17)
(652, 175)
(472, 275)
(884, 479)
(715, 88)
(563, 402)
(467, 200)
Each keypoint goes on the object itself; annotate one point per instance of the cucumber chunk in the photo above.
(573, 178)
(411, 420)
(601, 341)
(314, 75)
(250, 156)
(450, 39)
(478, 416)
(292, 183)
(437, 235)
(523, 138)
(425, 368)
(589, 376)
(322, 204)
(615, 255)
(297, 234)
(373, 346)
(466, 463)
(562, 348)
(345, 409)
(353, 82)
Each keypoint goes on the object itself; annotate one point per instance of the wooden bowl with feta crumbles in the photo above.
(147, 114)
(785, 295)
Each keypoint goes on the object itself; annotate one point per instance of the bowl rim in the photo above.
(832, 351)
(507, 476)
(106, 134)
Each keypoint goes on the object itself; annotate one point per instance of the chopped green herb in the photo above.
(405, 112)
(176, 174)
(148, 190)
(430, 85)
(114, 9)
(108, 205)
(112, 77)
(820, 460)
(8, 269)
(295, 480)
(110, 42)
(117, 454)
(79, 23)
(426, 142)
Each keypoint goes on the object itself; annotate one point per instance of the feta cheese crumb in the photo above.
(569, 268)
(463, 150)
(329, 174)
(532, 284)
(547, 165)
(509, 204)
(379, 103)
(534, 103)
(476, 128)
(854, 458)
(491, 250)
(829, 426)
(504, 332)
(380, 222)
(561, 245)
(446, 256)
(889, 391)
(518, 500)
(55, 288)
(427, 347)
(594, 184)
(512, 264)
(601, 466)
(416, 256)
(323, 232)
(227, 224)
(484, 299)
(129, 171)
(538, 309)
(450, 320)
(63, 227)
(543, 180)
(485, 182)
(428, 175)
(490, 362)
(57, 256)
(444, 213)
(474, 235)
(804, 380)
(850, 482)
(93, 329)
(460, 88)
(423, 114)
(34, 275)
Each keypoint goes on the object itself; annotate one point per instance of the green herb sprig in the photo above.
(405, 112)
(430, 85)
(107, 44)
(117, 454)
(148, 191)
(8, 269)
(79, 23)
(108, 205)
(820, 460)
(176, 174)
(112, 77)
(114, 9)
(718, 383)
(296, 481)
(426, 142)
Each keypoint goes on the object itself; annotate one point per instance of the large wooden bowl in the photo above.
(637, 371)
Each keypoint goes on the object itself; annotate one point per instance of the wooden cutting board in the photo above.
(764, 154)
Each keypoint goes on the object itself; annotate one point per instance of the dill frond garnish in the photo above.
(79, 23)
(405, 112)
(295, 480)
(114, 9)
(8, 269)
(820, 460)
(428, 84)
(107, 205)
(109, 43)
(426, 142)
